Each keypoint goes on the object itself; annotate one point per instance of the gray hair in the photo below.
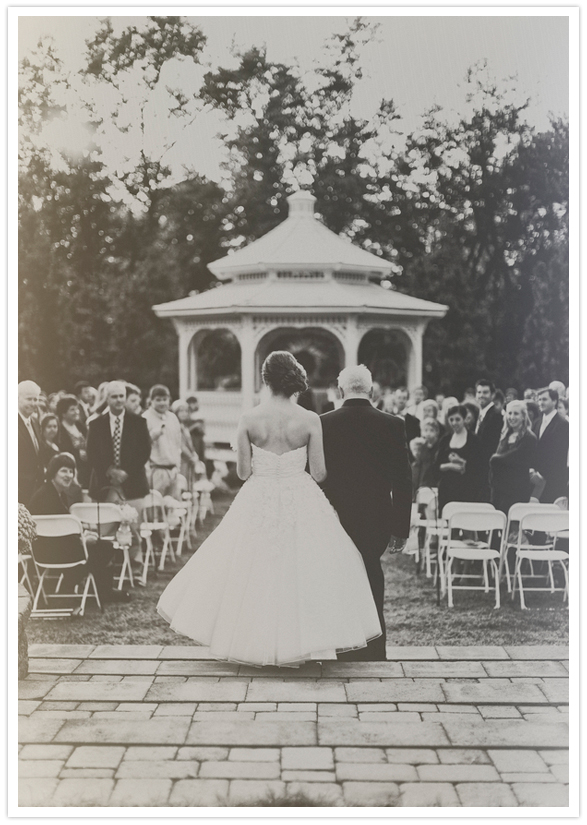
(28, 387)
(355, 380)
(115, 386)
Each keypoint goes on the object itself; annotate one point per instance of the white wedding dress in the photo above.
(279, 581)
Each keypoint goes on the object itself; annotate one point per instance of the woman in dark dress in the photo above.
(48, 447)
(510, 466)
(71, 439)
(458, 461)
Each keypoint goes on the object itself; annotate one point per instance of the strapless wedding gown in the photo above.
(279, 581)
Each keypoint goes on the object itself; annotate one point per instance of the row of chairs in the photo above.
(159, 515)
(530, 532)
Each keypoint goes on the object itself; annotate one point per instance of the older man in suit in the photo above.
(30, 465)
(118, 448)
(367, 462)
(552, 450)
(488, 430)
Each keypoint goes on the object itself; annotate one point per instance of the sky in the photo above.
(418, 61)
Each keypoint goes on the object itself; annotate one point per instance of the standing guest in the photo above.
(488, 429)
(419, 395)
(533, 411)
(53, 498)
(411, 422)
(333, 399)
(515, 456)
(439, 398)
(424, 469)
(118, 449)
(511, 394)
(529, 394)
(376, 396)
(100, 402)
(472, 415)
(196, 426)
(499, 402)
(430, 411)
(563, 408)
(366, 460)
(165, 435)
(469, 396)
(388, 401)
(559, 387)
(71, 439)
(49, 433)
(458, 462)
(30, 464)
(447, 404)
(552, 451)
(133, 399)
(85, 395)
(189, 457)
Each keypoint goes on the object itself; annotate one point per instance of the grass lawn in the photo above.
(412, 615)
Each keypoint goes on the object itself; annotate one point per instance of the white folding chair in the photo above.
(447, 512)
(477, 521)
(425, 497)
(154, 520)
(53, 527)
(204, 489)
(550, 525)
(23, 560)
(104, 519)
(176, 515)
(510, 538)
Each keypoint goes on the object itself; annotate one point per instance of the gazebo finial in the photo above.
(301, 203)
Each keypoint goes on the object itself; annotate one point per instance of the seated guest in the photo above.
(165, 434)
(52, 499)
(458, 462)
(552, 450)
(472, 415)
(424, 469)
(49, 431)
(515, 456)
(71, 439)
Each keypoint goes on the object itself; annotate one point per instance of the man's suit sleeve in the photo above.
(143, 440)
(92, 445)
(401, 482)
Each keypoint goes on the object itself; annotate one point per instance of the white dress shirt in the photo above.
(482, 414)
(113, 422)
(546, 419)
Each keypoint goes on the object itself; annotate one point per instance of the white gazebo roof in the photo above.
(302, 241)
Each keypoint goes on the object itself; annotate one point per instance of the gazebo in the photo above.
(303, 288)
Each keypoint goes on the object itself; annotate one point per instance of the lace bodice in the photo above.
(268, 464)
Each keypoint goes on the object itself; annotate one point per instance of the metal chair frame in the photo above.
(478, 521)
(553, 524)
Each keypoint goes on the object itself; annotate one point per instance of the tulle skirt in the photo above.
(278, 582)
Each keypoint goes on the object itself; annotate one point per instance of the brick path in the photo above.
(156, 726)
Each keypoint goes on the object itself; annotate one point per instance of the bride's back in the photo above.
(279, 425)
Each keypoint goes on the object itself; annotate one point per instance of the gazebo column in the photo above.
(416, 334)
(184, 338)
(351, 343)
(247, 342)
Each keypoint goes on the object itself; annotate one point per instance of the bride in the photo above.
(279, 581)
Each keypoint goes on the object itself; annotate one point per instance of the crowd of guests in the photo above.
(100, 443)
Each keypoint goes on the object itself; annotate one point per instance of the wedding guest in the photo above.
(430, 411)
(165, 435)
(411, 422)
(133, 399)
(469, 396)
(49, 432)
(529, 395)
(533, 411)
(559, 388)
(563, 408)
(499, 402)
(84, 393)
(515, 456)
(100, 402)
(458, 462)
(53, 498)
(196, 426)
(333, 399)
(511, 394)
(376, 396)
(447, 404)
(70, 438)
(30, 465)
(472, 415)
(189, 457)
(424, 470)
(419, 395)
(552, 451)
(488, 429)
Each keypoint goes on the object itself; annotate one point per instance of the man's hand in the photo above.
(116, 476)
(396, 545)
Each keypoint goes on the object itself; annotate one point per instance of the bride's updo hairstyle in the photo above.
(283, 374)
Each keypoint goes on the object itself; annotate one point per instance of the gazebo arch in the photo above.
(387, 351)
(301, 280)
(319, 350)
(214, 360)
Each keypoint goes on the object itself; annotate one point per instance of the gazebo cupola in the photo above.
(299, 287)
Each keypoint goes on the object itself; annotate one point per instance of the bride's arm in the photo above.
(243, 451)
(316, 450)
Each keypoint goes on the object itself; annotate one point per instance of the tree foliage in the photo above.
(472, 213)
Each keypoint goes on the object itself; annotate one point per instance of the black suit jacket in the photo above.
(489, 434)
(552, 453)
(30, 464)
(367, 461)
(412, 426)
(135, 449)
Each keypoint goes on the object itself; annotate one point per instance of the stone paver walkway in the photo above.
(166, 726)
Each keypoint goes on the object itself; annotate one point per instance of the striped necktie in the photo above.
(116, 441)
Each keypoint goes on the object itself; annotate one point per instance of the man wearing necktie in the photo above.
(552, 450)
(30, 466)
(488, 430)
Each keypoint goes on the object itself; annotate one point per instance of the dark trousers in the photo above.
(372, 544)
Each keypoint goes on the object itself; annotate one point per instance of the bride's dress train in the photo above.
(279, 581)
